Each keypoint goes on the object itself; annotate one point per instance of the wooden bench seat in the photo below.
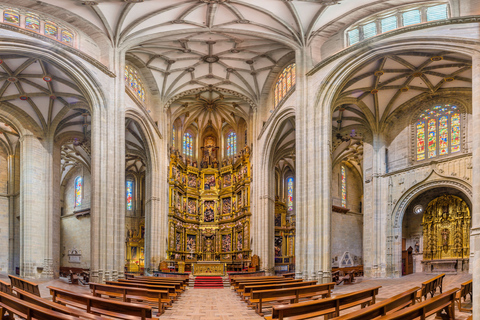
(158, 297)
(465, 290)
(177, 288)
(259, 298)
(100, 306)
(289, 275)
(248, 289)
(431, 286)
(12, 305)
(24, 285)
(324, 307)
(185, 279)
(435, 305)
(387, 306)
(240, 285)
(233, 281)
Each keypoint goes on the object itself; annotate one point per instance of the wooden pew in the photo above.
(159, 297)
(260, 297)
(5, 287)
(100, 306)
(172, 289)
(14, 306)
(24, 285)
(178, 285)
(465, 290)
(290, 275)
(325, 307)
(248, 289)
(241, 286)
(239, 279)
(47, 304)
(185, 279)
(390, 305)
(430, 286)
(336, 277)
(435, 305)
(72, 277)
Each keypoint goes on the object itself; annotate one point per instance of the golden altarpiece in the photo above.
(284, 238)
(446, 235)
(209, 208)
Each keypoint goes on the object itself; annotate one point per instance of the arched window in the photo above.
(78, 191)
(290, 194)
(134, 83)
(344, 187)
(285, 82)
(440, 126)
(231, 144)
(187, 144)
(129, 190)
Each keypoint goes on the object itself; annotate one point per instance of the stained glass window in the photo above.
(51, 29)
(133, 81)
(411, 17)
(389, 23)
(32, 23)
(187, 144)
(285, 82)
(455, 133)
(173, 136)
(369, 30)
(11, 17)
(290, 194)
(420, 140)
(344, 187)
(67, 37)
(437, 12)
(129, 194)
(442, 131)
(231, 144)
(353, 36)
(78, 191)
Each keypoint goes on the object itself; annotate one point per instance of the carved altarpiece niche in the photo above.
(209, 207)
(446, 229)
(284, 242)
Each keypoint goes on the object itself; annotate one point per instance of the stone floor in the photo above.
(223, 304)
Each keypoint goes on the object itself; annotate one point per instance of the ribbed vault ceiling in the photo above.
(135, 147)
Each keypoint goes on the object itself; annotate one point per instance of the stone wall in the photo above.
(75, 232)
(347, 234)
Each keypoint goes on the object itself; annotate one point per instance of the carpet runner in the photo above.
(208, 282)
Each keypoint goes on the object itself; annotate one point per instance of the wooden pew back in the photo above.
(444, 301)
(170, 288)
(309, 309)
(465, 290)
(431, 285)
(5, 287)
(24, 285)
(397, 302)
(248, 289)
(99, 305)
(27, 310)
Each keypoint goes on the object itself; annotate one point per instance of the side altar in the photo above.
(209, 208)
(209, 268)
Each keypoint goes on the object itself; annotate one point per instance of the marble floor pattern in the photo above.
(223, 304)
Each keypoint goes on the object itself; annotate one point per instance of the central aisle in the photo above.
(210, 304)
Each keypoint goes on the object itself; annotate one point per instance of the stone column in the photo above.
(36, 206)
(374, 235)
(108, 181)
(475, 235)
(11, 213)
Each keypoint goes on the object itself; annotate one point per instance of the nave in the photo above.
(226, 303)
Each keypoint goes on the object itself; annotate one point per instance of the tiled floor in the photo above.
(223, 304)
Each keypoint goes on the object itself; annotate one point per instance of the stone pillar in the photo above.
(108, 181)
(11, 213)
(36, 206)
(374, 235)
(475, 235)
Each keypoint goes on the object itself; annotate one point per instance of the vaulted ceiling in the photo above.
(385, 89)
(135, 147)
(9, 137)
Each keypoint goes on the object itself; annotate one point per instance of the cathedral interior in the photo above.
(144, 137)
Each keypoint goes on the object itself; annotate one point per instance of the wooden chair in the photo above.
(431, 286)
(390, 305)
(72, 277)
(100, 306)
(324, 307)
(435, 305)
(24, 285)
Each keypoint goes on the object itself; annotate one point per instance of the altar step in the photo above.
(208, 282)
